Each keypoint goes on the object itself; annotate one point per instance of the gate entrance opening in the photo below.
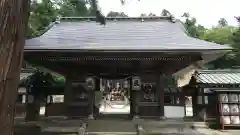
(115, 97)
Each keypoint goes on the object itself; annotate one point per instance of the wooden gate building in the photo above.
(141, 49)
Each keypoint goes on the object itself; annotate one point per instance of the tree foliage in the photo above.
(43, 12)
(222, 22)
(42, 83)
(220, 34)
(195, 30)
(116, 14)
(165, 12)
(236, 43)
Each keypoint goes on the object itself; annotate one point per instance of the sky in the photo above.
(207, 12)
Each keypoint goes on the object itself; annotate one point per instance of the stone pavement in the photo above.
(56, 126)
(205, 131)
(232, 132)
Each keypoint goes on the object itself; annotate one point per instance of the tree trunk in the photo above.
(13, 22)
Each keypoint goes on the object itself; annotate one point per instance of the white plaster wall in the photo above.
(174, 111)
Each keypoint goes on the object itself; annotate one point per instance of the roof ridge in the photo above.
(219, 71)
(93, 18)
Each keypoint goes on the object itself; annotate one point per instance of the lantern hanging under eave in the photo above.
(224, 98)
(136, 83)
(90, 83)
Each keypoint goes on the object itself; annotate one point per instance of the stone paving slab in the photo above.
(167, 127)
(232, 132)
(212, 132)
(111, 126)
(173, 131)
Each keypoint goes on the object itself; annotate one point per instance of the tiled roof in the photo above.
(151, 33)
(218, 76)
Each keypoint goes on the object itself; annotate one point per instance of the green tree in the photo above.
(41, 14)
(191, 26)
(222, 35)
(72, 8)
(165, 12)
(46, 11)
(236, 43)
(151, 14)
(222, 22)
(143, 15)
(116, 14)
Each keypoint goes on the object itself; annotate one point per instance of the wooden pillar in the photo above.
(135, 101)
(194, 103)
(132, 98)
(67, 94)
(135, 90)
(160, 94)
(91, 100)
(91, 104)
(97, 97)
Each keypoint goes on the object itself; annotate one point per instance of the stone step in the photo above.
(111, 127)
(200, 125)
(110, 133)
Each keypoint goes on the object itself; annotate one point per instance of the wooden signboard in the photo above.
(136, 83)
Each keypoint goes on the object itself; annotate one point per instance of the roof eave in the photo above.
(132, 50)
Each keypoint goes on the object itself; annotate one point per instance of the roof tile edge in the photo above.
(46, 29)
